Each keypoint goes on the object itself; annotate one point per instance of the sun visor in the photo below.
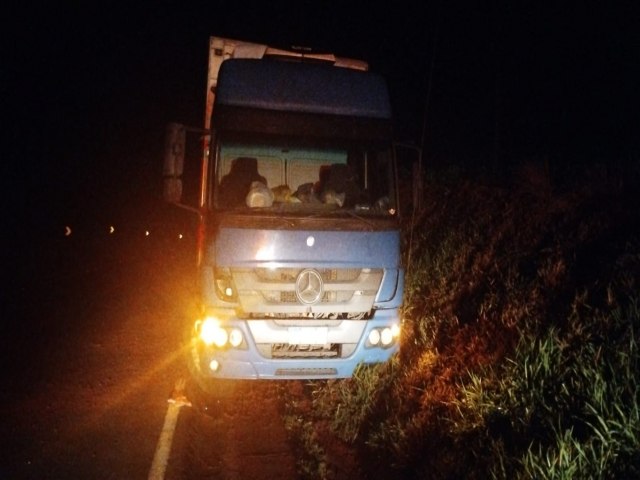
(305, 88)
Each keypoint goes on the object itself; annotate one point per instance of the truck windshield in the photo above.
(302, 179)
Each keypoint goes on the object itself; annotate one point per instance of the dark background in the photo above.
(87, 88)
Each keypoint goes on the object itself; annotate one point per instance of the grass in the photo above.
(519, 348)
(566, 404)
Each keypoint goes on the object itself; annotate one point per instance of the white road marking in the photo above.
(163, 449)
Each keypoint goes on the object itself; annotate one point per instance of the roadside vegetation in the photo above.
(520, 343)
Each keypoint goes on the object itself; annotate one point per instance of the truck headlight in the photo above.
(374, 337)
(383, 337)
(212, 333)
(386, 337)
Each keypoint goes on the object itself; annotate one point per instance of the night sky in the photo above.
(87, 90)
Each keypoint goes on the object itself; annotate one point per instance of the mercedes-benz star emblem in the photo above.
(309, 286)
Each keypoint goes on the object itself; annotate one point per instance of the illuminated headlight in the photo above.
(383, 337)
(212, 333)
(386, 336)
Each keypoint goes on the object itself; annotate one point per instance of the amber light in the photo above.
(212, 333)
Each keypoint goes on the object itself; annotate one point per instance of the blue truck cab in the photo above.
(299, 252)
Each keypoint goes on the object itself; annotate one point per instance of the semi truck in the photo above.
(299, 261)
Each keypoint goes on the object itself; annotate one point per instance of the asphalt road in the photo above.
(92, 345)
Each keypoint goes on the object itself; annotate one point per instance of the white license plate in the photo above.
(308, 335)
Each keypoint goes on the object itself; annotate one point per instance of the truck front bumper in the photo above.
(246, 362)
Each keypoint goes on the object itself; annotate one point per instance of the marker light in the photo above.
(395, 330)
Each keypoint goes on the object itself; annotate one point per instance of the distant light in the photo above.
(111, 229)
(180, 236)
(146, 233)
(67, 231)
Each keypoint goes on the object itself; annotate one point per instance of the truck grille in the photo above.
(290, 274)
(304, 292)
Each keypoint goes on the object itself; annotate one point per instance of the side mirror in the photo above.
(173, 165)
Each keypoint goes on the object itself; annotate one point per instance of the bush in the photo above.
(518, 351)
